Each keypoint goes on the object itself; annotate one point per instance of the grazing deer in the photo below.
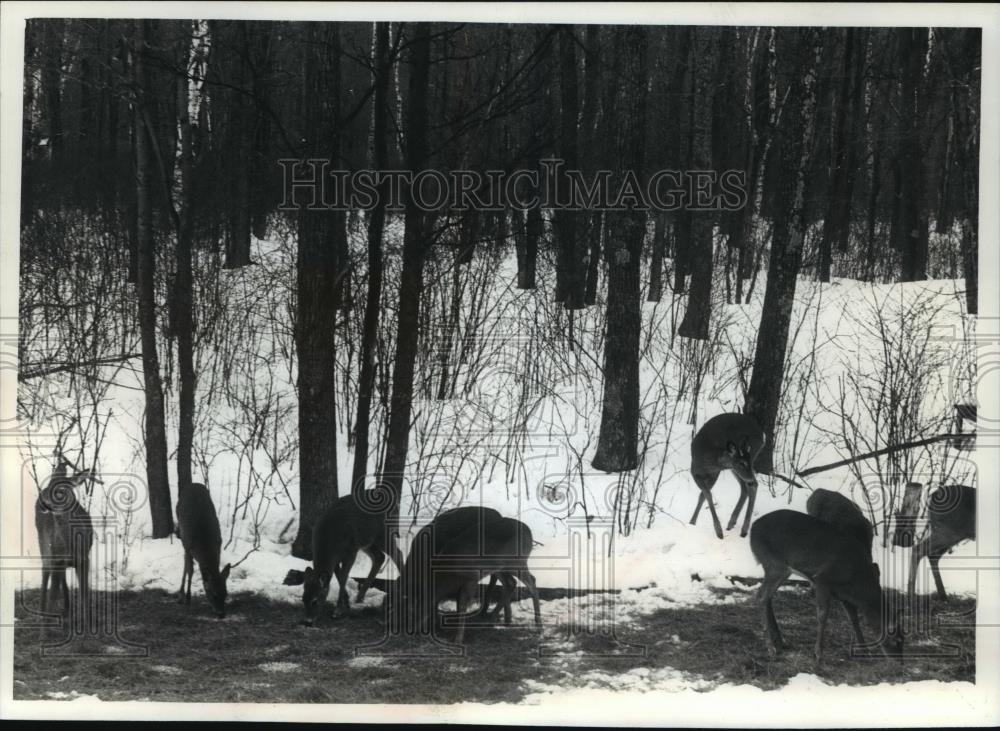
(198, 526)
(841, 512)
(786, 542)
(65, 535)
(343, 530)
(451, 521)
(951, 516)
(726, 442)
(470, 543)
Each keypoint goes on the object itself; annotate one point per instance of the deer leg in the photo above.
(461, 601)
(343, 570)
(46, 575)
(852, 614)
(765, 596)
(529, 581)
(752, 492)
(189, 572)
(393, 552)
(83, 588)
(822, 613)
(739, 506)
(64, 587)
(933, 559)
(697, 507)
(705, 484)
(377, 558)
(509, 585)
(919, 551)
(484, 609)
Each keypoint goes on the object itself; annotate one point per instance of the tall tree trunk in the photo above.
(411, 279)
(966, 44)
(910, 235)
(315, 334)
(376, 226)
(183, 282)
(655, 293)
(794, 156)
(837, 221)
(570, 275)
(241, 129)
(617, 446)
(51, 77)
(679, 108)
(758, 123)
(155, 436)
(699, 308)
(591, 222)
(528, 262)
(855, 142)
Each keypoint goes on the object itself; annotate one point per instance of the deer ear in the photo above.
(225, 572)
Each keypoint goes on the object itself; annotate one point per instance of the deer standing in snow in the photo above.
(726, 442)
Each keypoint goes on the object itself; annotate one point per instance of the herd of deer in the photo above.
(830, 545)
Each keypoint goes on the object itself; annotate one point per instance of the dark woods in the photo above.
(150, 152)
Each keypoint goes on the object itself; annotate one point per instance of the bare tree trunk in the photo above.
(570, 275)
(966, 107)
(680, 113)
(588, 120)
(617, 446)
(528, 261)
(411, 279)
(656, 263)
(183, 281)
(315, 334)
(837, 221)
(376, 226)
(794, 156)
(51, 91)
(155, 436)
(910, 235)
(699, 308)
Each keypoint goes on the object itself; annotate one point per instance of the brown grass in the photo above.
(260, 654)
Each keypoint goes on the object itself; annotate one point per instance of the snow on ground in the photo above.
(674, 564)
(807, 700)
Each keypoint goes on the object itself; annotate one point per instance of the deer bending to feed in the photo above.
(343, 530)
(447, 524)
(951, 519)
(786, 542)
(465, 545)
(198, 526)
(843, 514)
(726, 442)
(65, 536)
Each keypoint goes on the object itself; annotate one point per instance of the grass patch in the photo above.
(260, 654)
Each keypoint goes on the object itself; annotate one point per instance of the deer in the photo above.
(838, 566)
(65, 535)
(468, 544)
(843, 514)
(198, 527)
(726, 442)
(951, 519)
(344, 529)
